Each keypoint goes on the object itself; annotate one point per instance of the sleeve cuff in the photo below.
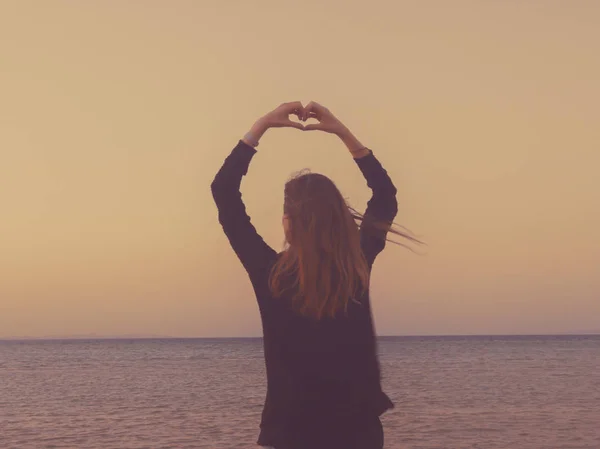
(245, 147)
(365, 159)
(243, 152)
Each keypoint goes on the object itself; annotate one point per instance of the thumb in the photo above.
(314, 127)
(296, 125)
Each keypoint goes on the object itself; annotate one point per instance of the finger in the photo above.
(296, 125)
(299, 113)
(305, 113)
(313, 108)
(310, 115)
(313, 127)
(292, 106)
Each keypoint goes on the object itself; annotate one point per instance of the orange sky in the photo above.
(115, 116)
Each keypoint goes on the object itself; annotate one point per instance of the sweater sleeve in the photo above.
(381, 208)
(251, 249)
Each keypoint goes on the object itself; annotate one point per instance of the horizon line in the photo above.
(168, 337)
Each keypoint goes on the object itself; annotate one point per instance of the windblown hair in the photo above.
(323, 266)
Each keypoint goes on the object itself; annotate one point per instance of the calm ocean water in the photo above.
(450, 392)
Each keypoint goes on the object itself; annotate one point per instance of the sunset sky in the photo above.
(115, 116)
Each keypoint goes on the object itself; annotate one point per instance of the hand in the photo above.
(277, 118)
(327, 121)
(330, 124)
(280, 116)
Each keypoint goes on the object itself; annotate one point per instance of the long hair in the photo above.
(323, 266)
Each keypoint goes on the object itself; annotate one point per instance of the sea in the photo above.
(484, 392)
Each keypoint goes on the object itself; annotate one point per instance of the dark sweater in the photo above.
(321, 375)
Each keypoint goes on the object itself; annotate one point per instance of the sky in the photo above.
(115, 117)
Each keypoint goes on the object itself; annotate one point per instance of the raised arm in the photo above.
(248, 245)
(383, 206)
(254, 253)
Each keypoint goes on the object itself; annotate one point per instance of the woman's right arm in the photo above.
(254, 253)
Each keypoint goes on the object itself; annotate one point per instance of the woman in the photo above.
(323, 376)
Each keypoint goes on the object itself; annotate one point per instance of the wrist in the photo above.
(253, 136)
(260, 127)
(343, 133)
(351, 142)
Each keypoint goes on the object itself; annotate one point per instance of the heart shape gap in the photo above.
(310, 120)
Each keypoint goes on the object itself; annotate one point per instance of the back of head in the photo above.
(323, 266)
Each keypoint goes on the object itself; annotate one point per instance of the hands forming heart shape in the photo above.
(280, 118)
(326, 121)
